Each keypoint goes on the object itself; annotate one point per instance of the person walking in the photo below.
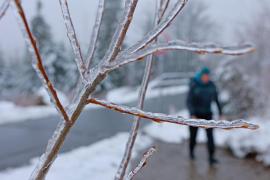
(202, 92)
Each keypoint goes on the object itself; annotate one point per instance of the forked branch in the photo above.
(142, 163)
(31, 43)
(160, 118)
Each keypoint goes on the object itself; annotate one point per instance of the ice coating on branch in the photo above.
(43, 161)
(142, 162)
(159, 117)
(72, 38)
(3, 8)
(95, 33)
(136, 124)
(179, 5)
(181, 45)
(120, 33)
(36, 58)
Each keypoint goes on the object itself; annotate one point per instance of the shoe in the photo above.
(191, 156)
(213, 161)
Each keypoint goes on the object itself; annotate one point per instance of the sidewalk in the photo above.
(171, 162)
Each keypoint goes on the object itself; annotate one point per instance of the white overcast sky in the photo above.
(228, 14)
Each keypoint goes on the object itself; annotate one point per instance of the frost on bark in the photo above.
(113, 59)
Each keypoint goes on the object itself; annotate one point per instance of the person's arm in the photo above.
(189, 100)
(216, 99)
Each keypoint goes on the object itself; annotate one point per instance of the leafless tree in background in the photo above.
(115, 57)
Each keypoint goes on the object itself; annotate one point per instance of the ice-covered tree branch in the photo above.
(142, 163)
(162, 9)
(3, 8)
(136, 123)
(160, 118)
(37, 60)
(73, 38)
(95, 34)
(181, 45)
(121, 30)
(179, 5)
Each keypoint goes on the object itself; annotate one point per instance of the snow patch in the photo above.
(97, 161)
(10, 113)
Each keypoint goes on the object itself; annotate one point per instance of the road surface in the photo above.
(171, 162)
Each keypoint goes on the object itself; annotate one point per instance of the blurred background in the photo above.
(242, 81)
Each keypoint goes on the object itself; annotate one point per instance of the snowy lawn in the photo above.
(10, 113)
(97, 161)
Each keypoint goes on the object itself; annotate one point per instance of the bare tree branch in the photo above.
(38, 63)
(179, 5)
(159, 117)
(181, 45)
(73, 39)
(121, 30)
(95, 34)
(162, 9)
(3, 8)
(142, 162)
(136, 124)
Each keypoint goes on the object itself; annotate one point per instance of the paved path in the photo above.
(171, 162)
(19, 142)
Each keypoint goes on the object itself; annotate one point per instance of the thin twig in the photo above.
(181, 45)
(4, 7)
(136, 123)
(73, 39)
(160, 118)
(121, 30)
(95, 34)
(179, 5)
(162, 9)
(142, 163)
(39, 63)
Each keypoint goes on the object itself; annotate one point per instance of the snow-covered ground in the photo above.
(10, 113)
(97, 161)
(100, 160)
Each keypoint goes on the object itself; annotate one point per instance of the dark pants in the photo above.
(210, 138)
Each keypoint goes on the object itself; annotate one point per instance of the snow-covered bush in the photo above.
(238, 95)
